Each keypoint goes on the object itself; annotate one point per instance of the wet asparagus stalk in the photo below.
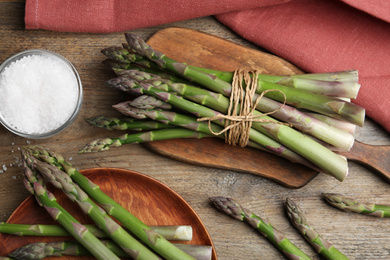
(142, 231)
(278, 239)
(353, 205)
(47, 200)
(321, 245)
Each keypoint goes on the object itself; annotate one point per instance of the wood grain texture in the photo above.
(359, 237)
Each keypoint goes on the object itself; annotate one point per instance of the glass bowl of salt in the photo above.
(40, 93)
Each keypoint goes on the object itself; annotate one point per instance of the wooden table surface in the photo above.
(359, 237)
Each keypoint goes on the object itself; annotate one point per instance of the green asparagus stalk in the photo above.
(40, 250)
(113, 123)
(322, 246)
(169, 232)
(47, 200)
(267, 142)
(62, 181)
(331, 163)
(278, 239)
(333, 122)
(103, 144)
(151, 238)
(299, 98)
(352, 205)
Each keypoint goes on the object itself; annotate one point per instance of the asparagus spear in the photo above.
(40, 250)
(47, 200)
(62, 181)
(286, 137)
(169, 232)
(133, 224)
(321, 245)
(103, 144)
(296, 97)
(278, 239)
(113, 123)
(350, 204)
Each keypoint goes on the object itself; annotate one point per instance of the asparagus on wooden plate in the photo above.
(47, 200)
(40, 250)
(353, 205)
(322, 246)
(145, 233)
(62, 181)
(169, 232)
(232, 208)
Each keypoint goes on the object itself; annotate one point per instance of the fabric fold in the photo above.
(107, 16)
(323, 36)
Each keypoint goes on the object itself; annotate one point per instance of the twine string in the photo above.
(239, 117)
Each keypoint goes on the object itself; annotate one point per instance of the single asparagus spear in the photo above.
(47, 200)
(291, 140)
(278, 239)
(133, 224)
(103, 144)
(62, 181)
(321, 245)
(350, 204)
(40, 250)
(169, 232)
(299, 98)
(113, 123)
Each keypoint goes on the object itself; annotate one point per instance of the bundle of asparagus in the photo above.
(303, 118)
(135, 239)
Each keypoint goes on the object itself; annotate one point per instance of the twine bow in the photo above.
(239, 119)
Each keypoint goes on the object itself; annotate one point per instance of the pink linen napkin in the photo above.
(328, 35)
(105, 16)
(315, 35)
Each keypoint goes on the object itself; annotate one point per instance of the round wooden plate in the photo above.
(150, 200)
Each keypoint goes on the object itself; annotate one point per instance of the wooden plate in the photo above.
(151, 201)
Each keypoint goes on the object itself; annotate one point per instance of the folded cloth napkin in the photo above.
(104, 16)
(328, 35)
(315, 35)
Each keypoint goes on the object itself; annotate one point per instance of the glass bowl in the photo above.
(39, 76)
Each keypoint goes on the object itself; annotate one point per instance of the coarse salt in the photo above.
(38, 94)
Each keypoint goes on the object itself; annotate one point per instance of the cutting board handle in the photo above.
(373, 157)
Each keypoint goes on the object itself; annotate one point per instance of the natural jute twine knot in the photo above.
(238, 120)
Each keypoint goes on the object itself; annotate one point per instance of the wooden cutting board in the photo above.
(205, 50)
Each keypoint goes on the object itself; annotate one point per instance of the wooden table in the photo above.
(359, 237)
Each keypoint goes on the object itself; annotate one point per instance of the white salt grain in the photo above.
(37, 94)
